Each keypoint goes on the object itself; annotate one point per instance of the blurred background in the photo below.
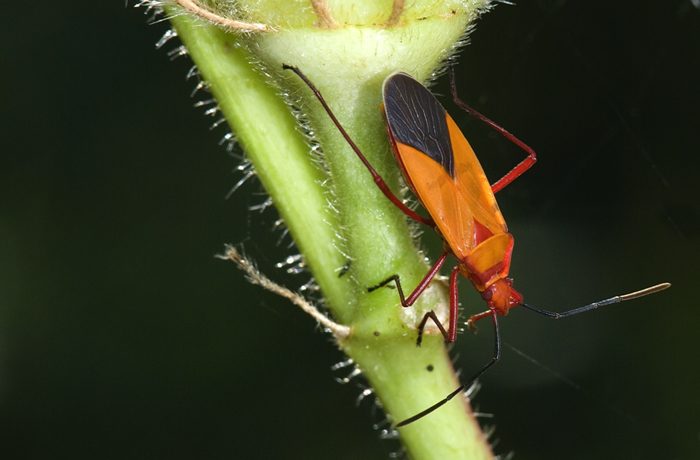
(121, 336)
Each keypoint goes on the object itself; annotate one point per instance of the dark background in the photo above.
(121, 336)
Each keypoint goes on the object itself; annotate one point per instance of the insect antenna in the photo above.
(465, 385)
(497, 346)
(600, 303)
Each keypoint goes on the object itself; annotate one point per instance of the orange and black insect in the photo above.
(445, 175)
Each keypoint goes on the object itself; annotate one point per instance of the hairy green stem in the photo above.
(347, 51)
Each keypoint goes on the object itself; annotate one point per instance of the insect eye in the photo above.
(487, 294)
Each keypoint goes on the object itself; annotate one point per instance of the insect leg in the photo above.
(474, 318)
(431, 315)
(410, 300)
(454, 312)
(465, 385)
(375, 175)
(523, 165)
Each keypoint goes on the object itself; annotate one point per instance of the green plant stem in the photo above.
(349, 70)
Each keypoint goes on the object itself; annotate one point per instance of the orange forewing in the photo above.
(454, 204)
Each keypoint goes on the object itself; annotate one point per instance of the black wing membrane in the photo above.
(417, 119)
